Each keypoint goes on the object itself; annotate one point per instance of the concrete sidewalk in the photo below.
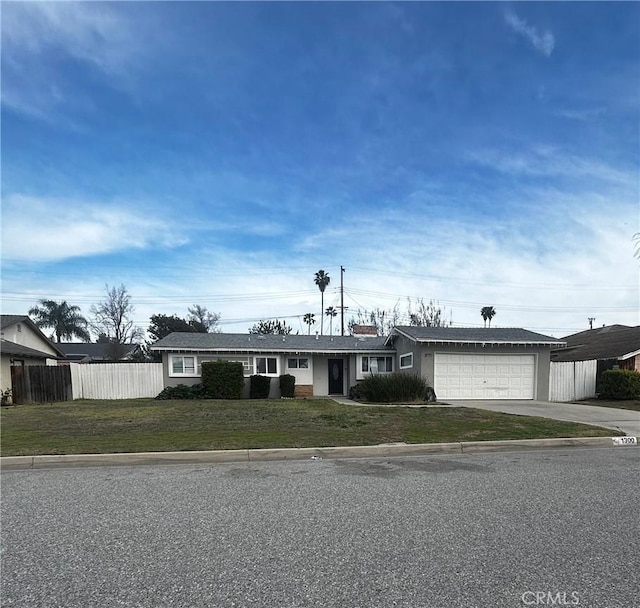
(12, 463)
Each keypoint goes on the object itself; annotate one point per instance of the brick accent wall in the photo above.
(303, 390)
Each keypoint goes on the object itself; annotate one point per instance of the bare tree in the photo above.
(112, 318)
(203, 320)
(427, 315)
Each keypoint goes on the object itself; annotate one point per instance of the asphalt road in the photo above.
(480, 530)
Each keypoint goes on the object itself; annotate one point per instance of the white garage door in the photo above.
(466, 376)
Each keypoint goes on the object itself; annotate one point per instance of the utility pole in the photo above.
(591, 320)
(342, 300)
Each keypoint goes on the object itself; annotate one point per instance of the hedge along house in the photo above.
(321, 365)
(482, 363)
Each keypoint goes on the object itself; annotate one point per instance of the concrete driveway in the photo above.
(627, 421)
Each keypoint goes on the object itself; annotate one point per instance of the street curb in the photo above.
(12, 463)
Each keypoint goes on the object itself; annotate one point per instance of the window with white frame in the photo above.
(266, 366)
(247, 363)
(375, 365)
(298, 363)
(182, 366)
(406, 360)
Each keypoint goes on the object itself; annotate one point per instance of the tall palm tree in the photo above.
(322, 280)
(331, 312)
(309, 320)
(66, 321)
(488, 312)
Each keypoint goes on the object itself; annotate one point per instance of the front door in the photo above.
(336, 376)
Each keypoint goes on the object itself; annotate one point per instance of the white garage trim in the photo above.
(486, 376)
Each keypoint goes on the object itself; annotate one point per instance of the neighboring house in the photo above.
(483, 363)
(460, 363)
(23, 343)
(611, 346)
(322, 365)
(102, 352)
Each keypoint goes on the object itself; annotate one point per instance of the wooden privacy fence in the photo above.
(116, 380)
(572, 380)
(40, 384)
(50, 383)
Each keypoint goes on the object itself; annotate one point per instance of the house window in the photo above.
(298, 363)
(183, 366)
(376, 365)
(406, 361)
(267, 366)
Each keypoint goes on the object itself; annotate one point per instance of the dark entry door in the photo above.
(336, 376)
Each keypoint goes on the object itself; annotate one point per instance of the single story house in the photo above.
(611, 346)
(98, 352)
(460, 363)
(322, 365)
(23, 343)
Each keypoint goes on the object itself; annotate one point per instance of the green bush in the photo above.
(182, 391)
(223, 379)
(620, 384)
(393, 388)
(259, 387)
(287, 385)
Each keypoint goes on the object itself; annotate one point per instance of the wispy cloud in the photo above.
(553, 161)
(41, 229)
(39, 37)
(544, 42)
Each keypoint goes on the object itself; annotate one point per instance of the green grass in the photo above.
(147, 425)
(627, 404)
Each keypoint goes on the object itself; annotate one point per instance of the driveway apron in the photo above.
(626, 421)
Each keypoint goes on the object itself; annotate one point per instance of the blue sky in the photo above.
(221, 153)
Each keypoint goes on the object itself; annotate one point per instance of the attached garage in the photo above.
(477, 363)
(471, 376)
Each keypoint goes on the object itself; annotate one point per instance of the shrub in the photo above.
(287, 385)
(620, 384)
(182, 391)
(390, 388)
(259, 387)
(223, 379)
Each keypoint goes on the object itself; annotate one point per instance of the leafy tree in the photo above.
(487, 313)
(112, 317)
(331, 312)
(271, 327)
(321, 279)
(66, 321)
(163, 325)
(309, 319)
(202, 320)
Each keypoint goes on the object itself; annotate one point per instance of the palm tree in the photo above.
(488, 312)
(66, 321)
(331, 312)
(322, 280)
(309, 320)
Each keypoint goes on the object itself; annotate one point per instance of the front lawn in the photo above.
(148, 425)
